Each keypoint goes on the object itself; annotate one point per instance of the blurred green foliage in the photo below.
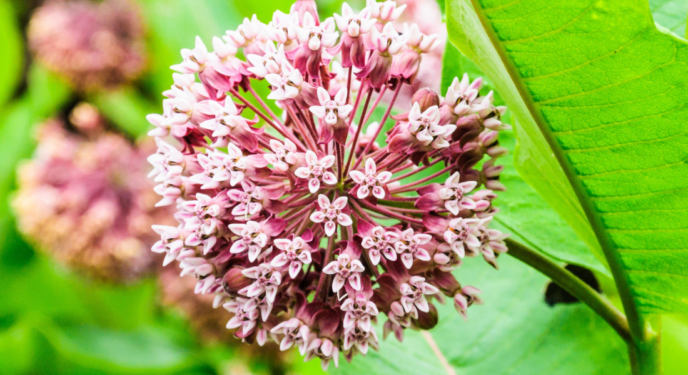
(55, 322)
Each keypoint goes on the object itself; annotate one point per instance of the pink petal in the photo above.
(379, 192)
(330, 228)
(357, 176)
(340, 203)
(370, 167)
(355, 281)
(337, 283)
(323, 201)
(344, 220)
(317, 217)
(313, 185)
(329, 178)
(294, 269)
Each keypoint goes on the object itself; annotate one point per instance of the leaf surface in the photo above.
(600, 93)
(523, 212)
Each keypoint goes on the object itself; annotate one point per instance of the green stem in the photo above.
(573, 285)
(646, 355)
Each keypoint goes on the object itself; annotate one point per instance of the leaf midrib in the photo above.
(612, 257)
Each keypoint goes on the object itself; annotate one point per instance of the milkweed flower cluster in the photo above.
(84, 199)
(303, 222)
(93, 45)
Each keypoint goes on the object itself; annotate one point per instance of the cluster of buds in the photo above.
(302, 224)
(94, 45)
(84, 198)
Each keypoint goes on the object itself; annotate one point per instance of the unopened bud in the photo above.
(426, 98)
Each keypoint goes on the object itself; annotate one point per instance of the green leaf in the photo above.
(57, 293)
(543, 229)
(599, 99)
(11, 50)
(515, 332)
(671, 14)
(38, 345)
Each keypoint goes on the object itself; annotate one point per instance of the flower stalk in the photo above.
(572, 284)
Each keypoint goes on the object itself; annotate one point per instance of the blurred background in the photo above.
(80, 290)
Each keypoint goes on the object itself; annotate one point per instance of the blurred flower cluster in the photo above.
(309, 228)
(85, 198)
(94, 45)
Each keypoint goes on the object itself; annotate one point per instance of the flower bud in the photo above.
(234, 280)
(426, 98)
(427, 320)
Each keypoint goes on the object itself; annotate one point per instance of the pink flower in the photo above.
(409, 247)
(245, 314)
(408, 63)
(323, 349)
(282, 30)
(414, 294)
(453, 194)
(60, 31)
(461, 94)
(315, 41)
(171, 242)
(311, 203)
(167, 163)
(461, 234)
(294, 332)
(228, 124)
(268, 63)
(345, 270)
(359, 310)
(295, 252)
(386, 44)
(331, 214)
(232, 166)
(247, 36)
(334, 113)
(371, 180)
(353, 26)
(379, 241)
(491, 241)
(316, 171)
(285, 85)
(283, 154)
(267, 281)
(385, 11)
(467, 296)
(491, 115)
(425, 126)
(251, 238)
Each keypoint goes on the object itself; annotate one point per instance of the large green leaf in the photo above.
(38, 345)
(515, 332)
(543, 230)
(599, 93)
